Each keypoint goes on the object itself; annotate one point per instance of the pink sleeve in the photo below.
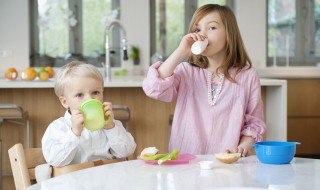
(159, 88)
(254, 124)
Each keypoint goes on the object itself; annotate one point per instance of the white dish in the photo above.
(206, 165)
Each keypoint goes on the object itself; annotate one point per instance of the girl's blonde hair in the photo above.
(75, 68)
(236, 55)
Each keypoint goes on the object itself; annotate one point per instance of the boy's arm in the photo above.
(59, 144)
(120, 141)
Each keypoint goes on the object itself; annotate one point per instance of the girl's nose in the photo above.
(203, 35)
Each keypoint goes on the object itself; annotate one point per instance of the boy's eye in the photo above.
(213, 28)
(96, 92)
(79, 95)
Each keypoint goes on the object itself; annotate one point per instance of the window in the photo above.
(170, 22)
(293, 32)
(65, 30)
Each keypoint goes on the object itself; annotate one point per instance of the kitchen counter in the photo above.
(275, 96)
(149, 122)
(125, 81)
(289, 72)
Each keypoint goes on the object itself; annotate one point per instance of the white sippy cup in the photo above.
(199, 46)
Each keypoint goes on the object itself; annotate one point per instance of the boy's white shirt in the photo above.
(43, 172)
(62, 147)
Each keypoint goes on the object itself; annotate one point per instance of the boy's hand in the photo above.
(77, 121)
(108, 112)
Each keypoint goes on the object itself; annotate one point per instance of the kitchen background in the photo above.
(290, 35)
(135, 16)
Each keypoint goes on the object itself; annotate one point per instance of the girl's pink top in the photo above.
(203, 124)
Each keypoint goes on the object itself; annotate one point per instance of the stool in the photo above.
(122, 113)
(14, 114)
(170, 126)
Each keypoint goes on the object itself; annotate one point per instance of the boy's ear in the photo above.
(63, 101)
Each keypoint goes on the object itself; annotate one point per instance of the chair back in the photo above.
(11, 111)
(56, 171)
(122, 113)
(24, 161)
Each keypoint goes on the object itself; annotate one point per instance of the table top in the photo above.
(246, 173)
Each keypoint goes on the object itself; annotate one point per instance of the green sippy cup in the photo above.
(94, 115)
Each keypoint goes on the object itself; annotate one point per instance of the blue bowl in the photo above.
(275, 152)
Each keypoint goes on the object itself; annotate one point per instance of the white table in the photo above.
(247, 173)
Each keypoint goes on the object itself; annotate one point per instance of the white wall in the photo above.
(135, 18)
(14, 30)
(252, 18)
(14, 34)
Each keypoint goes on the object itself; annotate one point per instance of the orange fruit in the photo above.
(11, 73)
(50, 71)
(29, 74)
(44, 76)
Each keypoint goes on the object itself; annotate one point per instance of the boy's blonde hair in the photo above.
(236, 55)
(75, 68)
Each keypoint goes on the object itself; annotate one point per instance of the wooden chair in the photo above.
(122, 113)
(14, 114)
(24, 161)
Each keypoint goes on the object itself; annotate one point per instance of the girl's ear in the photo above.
(63, 102)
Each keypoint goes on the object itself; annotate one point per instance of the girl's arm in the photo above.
(254, 126)
(179, 55)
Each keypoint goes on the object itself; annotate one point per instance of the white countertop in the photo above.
(247, 173)
(289, 72)
(124, 81)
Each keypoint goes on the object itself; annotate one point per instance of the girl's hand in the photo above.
(179, 55)
(187, 41)
(243, 151)
(108, 112)
(77, 121)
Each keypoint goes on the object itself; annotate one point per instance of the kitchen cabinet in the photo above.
(149, 118)
(304, 115)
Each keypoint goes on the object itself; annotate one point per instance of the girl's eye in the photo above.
(213, 28)
(197, 30)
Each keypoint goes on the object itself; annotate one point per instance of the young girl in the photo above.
(66, 141)
(218, 97)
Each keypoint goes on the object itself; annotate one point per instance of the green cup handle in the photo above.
(107, 120)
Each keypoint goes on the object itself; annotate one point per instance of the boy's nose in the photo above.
(88, 97)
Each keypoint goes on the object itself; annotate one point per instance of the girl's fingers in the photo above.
(198, 37)
(243, 151)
